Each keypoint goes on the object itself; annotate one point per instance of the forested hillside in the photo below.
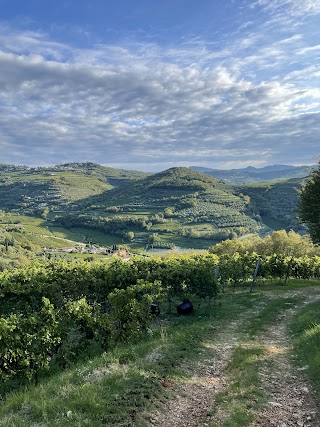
(177, 207)
(276, 203)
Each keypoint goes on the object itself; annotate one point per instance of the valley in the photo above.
(46, 208)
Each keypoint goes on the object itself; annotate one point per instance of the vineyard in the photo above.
(221, 216)
(51, 314)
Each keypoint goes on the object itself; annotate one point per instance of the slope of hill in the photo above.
(255, 175)
(55, 187)
(276, 203)
(176, 207)
(173, 182)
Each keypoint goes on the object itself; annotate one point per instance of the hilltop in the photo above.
(173, 182)
(175, 207)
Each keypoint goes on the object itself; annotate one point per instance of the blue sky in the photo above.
(151, 84)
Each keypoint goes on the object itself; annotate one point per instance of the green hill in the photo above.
(174, 207)
(276, 203)
(28, 189)
(174, 182)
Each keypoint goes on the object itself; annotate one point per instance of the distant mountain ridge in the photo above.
(251, 175)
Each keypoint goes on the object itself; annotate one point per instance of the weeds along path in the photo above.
(244, 375)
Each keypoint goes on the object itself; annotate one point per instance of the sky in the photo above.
(150, 84)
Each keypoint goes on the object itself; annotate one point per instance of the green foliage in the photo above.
(309, 207)
(279, 242)
(306, 337)
(131, 308)
(89, 303)
(118, 226)
(130, 235)
(27, 341)
(275, 203)
(63, 309)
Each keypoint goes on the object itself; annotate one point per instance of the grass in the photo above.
(98, 237)
(243, 393)
(280, 286)
(36, 231)
(265, 317)
(61, 232)
(45, 234)
(305, 328)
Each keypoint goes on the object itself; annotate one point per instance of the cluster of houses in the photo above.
(91, 249)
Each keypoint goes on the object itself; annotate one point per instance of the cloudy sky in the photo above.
(149, 84)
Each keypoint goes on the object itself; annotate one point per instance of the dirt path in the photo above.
(195, 396)
(290, 400)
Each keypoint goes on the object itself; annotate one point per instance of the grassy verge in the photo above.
(267, 315)
(243, 394)
(282, 286)
(306, 334)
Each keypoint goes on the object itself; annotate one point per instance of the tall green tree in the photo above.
(309, 206)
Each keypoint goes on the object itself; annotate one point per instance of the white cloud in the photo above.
(308, 49)
(146, 103)
(293, 7)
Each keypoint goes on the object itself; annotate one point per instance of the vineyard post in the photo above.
(216, 275)
(254, 277)
(288, 270)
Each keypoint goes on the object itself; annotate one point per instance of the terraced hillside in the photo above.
(28, 189)
(175, 207)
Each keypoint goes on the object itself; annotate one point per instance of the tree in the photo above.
(130, 235)
(44, 213)
(168, 212)
(153, 238)
(309, 206)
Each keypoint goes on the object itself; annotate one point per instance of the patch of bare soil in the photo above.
(291, 401)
